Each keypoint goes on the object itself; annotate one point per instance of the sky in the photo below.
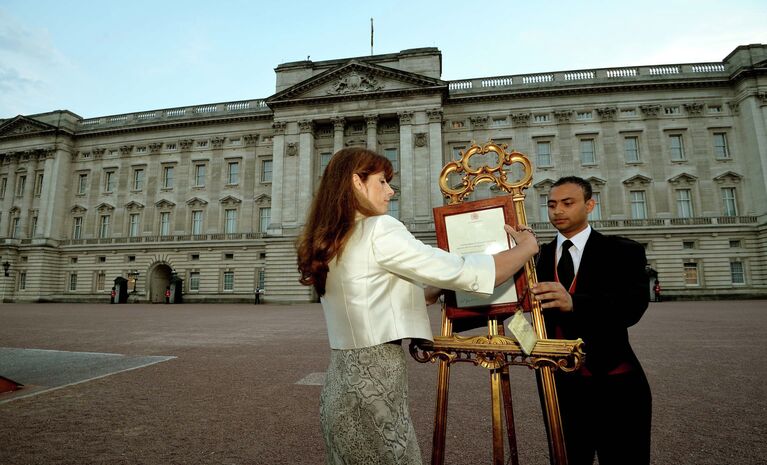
(107, 57)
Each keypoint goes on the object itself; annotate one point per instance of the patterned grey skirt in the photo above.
(364, 410)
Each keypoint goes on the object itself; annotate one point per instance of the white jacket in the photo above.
(374, 293)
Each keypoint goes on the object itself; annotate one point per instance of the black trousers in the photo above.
(608, 415)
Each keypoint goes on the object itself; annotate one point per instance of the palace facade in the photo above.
(216, 194)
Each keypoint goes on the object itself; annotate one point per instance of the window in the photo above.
(20, 186)
(15, 228)
(33, 227)
(228, 256)
(457, 152)
(714, 108)
(498, 122)
(596, 212)
(82, 183)
(77, 227)
(195, 256)
(39, 184)
(638, 205)
(73, 282)
(104, 226)
(3, 186)
(688, 245)
(394, 208)
(194, 281)
(631, 149)
(543, 153)
(391, 154)
(101, 278)
(230, 225)
(110, 181)
(165, 223)
(73, 260)
(671, 110)
(588, 156)
(737, 274)
(133, 230)
(233, 173)
(735, 244)
(266, 171)
(684, 203)
(691, 274)
(197, 222)
(167, 177)
(264, 216)
(102, 259)
(140, 149)
(199, 175)
(324, 160)
(584, 115)
(170, 146)
(138, 179)
(22, 280)
(261, 279)
(457, 124)
(544, 118)
(628, 112)
(676, 145)
(729, 204)
(228, 280)
(720, 145)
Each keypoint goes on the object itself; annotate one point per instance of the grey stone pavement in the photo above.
(238, 384)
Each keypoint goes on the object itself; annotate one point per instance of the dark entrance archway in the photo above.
(159, 280)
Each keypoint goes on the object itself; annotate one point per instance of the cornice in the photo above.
(382, 94)
(171, 125)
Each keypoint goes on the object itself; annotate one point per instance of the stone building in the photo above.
(215, 194)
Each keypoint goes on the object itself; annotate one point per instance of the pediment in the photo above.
(196, 201)
(730, 176)
(133, 205)
(23, 126)
(637, 180)
(78, 210)
(104, 207)
(595, 181)
(545, 184)
(163, 203)
(263, 199)
(683, 178)
(229, 200)
(356, 79)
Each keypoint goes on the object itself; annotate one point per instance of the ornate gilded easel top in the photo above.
(472, 176)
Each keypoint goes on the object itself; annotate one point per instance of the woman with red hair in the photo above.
(374, 280)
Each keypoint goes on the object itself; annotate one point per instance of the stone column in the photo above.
(10, 193)
(278, 163)
(436, 161)
(338, 133)
(407, 206)
(305, 185)
(29, 192)
(372, 122)
(55, 179)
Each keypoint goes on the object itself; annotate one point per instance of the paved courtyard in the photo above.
(239, 384)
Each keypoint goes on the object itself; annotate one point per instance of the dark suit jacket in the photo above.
(611, 294)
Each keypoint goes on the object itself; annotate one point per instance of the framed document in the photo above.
(477, 227)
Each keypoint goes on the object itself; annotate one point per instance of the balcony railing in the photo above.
(659, 223)
(160, 239)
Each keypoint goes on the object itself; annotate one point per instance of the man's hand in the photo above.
(553, 295)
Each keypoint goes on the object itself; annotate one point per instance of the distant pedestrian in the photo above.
(167, 295)
(112, 295)
(259, 291)
(656, 290)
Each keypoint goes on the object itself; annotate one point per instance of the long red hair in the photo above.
(332, 215)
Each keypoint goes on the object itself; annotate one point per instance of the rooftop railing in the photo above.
(175, 114)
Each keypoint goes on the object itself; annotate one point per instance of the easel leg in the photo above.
(508, 408)
(440, 417)
(495, 390)
(552, 416)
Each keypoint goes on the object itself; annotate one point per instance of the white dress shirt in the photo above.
(576, 250)
(374, 292)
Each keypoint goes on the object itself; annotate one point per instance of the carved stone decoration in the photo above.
(405, 117)
(279, 127)
(354, 82)
(133, 206)
(230, 200)
(185, 144)
(607, 113)
(78, 210)
(356, 143)
(218, 142)
(563, 116)
(23, 128)
(196, 202)
(98, 152)
(126, 150)
(105, 208)
(47, 153)
(683, 179)
(478, 122)
(251, 139)
(734, 107)
(163, 203)
(693, 109)
(338, 123)
(520, 119)
(637, 181)
(650, 111)
(728, 177)
(420, 139)
(435, 115)
(263, 199)
(371, 121)
(306, 125)
(155, 147)
(762, 96)
(292, 149)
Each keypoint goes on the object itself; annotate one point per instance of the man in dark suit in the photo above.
(594, 287)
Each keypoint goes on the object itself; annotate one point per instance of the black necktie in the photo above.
(565, 268)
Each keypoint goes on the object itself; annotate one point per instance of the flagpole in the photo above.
(371, 36)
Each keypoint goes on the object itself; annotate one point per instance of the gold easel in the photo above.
(496, 351)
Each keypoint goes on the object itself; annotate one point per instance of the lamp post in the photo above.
(6, 267)
(134, 276)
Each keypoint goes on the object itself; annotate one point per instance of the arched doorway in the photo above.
(159, 280)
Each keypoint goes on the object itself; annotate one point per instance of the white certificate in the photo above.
(480, 231)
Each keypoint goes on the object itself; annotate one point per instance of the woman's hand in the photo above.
(432, 294)
(524, 237)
